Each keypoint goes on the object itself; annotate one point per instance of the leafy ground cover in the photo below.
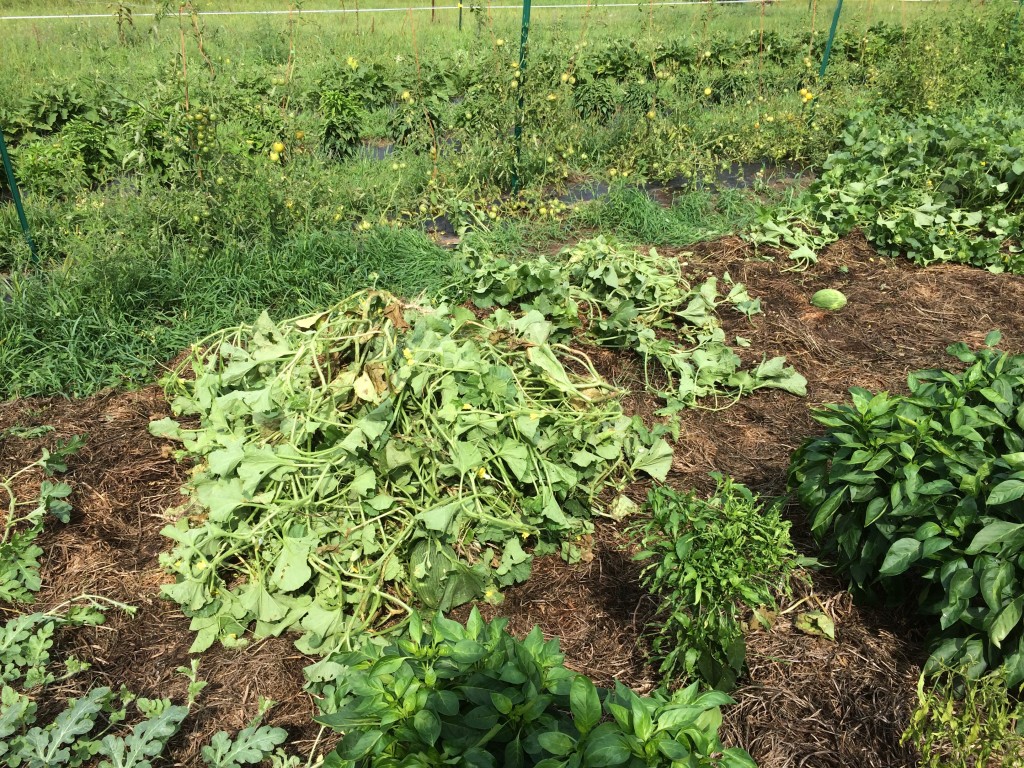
(863, 683)
(625, 299)
(930, 188)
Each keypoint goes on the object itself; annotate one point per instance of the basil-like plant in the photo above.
(475, 696)
(920, 496)
(709, 561)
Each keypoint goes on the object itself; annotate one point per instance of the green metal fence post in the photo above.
(13, 184)
(523, 41)
(460, 17)
(831, 37)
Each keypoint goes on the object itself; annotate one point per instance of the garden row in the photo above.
(365, 468)
(259, 148)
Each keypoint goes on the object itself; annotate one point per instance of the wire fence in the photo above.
(407, 9)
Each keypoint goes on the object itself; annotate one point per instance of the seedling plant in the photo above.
(96, 728)
(24, 521)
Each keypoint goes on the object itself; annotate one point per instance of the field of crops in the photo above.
(376, 391)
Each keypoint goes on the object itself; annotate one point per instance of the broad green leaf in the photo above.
(512, 555)
(257, 463)
(559, 744)
(901, 555)
(1005, 492)
(221, 497)
(167, 428)
(223, 461)
(292, 569)
(606, 749)
(255, 598)
(993, 535)
(655, 461)
(439, 518)
(466, 457)
(876, 508)
(427, 726)
(993, 580)
(585, 704)
(823, 515)
(1006, 621)
(545, 362)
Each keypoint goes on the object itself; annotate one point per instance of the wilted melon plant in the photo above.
(378, 455)
(624, 299)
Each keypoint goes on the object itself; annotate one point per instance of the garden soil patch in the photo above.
(808, 701)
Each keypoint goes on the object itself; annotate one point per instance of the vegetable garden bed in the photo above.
(807, 700)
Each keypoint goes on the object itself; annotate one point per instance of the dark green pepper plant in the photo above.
(921, 496)
(475, 696)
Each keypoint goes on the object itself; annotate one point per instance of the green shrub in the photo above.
(920, 495)
(710, 561)
(476, 696)
(343, 121)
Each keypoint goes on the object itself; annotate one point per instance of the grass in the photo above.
(634, 217)
(111, 319)
(108, 321)
(79, 47)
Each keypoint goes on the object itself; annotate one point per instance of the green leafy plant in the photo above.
(963, 721)
(712, 563)
(48, 109)
(342, 122)
(19, 554)
(627, 299)
(250, 746)
(931, 188)
(93, 729)
(920, 496)
(379, 454)
(75, 735)
(474, 695)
